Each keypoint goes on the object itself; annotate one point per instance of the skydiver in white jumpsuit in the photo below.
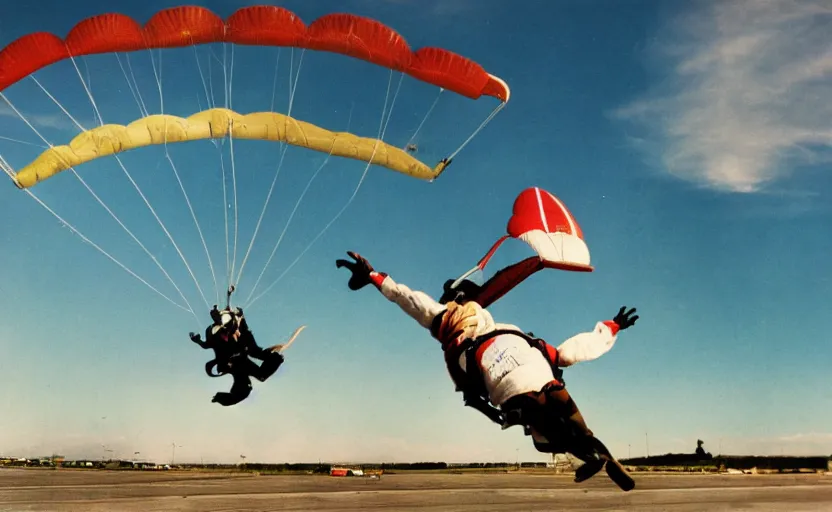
(503, 372)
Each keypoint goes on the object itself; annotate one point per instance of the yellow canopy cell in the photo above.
(218, 123)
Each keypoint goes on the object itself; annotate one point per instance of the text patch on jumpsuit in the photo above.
(511, 367)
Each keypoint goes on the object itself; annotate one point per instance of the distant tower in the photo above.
(700, 452)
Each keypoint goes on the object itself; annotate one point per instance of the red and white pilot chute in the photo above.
(543, 222)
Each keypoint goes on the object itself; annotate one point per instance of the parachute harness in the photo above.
(470, 346)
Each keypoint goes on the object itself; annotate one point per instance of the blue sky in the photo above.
(692, 143)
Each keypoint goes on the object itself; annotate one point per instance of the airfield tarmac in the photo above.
(169, 491)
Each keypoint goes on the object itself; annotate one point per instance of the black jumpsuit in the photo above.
(232, 357)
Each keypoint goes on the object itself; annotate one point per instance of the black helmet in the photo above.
(463, 292)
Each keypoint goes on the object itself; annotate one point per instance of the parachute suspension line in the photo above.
(225, 216)
(211, 81)
(47, 146)
(158, 76)
(23, 118)
(135, 239)
(136, 85)
(164, 228)
(231, 79)
(381, 133)
(294, 210)
(87, 72)
(87, 89)
(142, 111)
(91, 191)
(226, 92)
(295, 86)
(161, 90)
(28, 123)
(292, 91)
(225, 74)
(262, 214)
(202, 77)
(289, 221)
(236, 211)
(319, 235)
(105, 253)
(274, 82)
(24, 142)
(89, 85)
(220, 145)
(182, 187)
(60, 106)
(291, 70)
(289, 76)
(392, 104)
(8, 170)
(424, 119)
(216, 57)
(479, 128)
(196, 222)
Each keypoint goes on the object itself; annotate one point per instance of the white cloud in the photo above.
(749, 96)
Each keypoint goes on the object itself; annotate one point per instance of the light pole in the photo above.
(173, 454)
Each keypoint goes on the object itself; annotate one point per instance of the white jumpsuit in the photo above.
(508, 364)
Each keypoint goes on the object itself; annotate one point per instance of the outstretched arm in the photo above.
(587, 346)
(418, 305)
(198, 340)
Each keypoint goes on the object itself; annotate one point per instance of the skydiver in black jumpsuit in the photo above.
(233, 344)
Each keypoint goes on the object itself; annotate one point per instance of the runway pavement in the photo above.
(113, 491)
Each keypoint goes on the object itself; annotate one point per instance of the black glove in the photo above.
(360, 269)
(195, 337)
(625, 320)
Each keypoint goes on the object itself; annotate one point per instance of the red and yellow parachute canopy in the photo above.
(356, 36)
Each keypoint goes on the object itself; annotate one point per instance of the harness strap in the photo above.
(471, 345)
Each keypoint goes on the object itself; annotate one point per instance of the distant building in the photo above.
(345, 472)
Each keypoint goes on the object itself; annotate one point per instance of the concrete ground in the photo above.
(111, 491)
